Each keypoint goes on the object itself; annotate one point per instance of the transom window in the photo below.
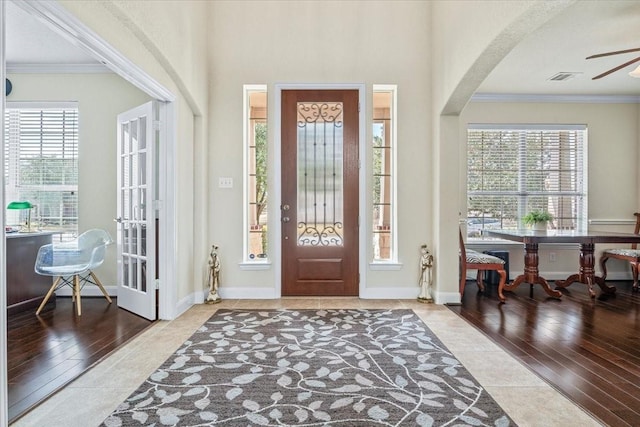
(516, 169)
(41, 164)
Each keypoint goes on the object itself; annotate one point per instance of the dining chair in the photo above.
(632, 256)
(473, 260)
(72, 263)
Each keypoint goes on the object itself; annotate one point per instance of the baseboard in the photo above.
(447, 297)
(244, 293)
(400, 292)
(185, 304)
(561, 275)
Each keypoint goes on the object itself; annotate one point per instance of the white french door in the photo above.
(136, 232)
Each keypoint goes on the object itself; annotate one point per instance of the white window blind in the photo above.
(41, 164)
(512, 170)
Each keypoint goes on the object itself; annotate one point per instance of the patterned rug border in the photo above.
(311, 367)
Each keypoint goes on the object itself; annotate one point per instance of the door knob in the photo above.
(285, 219)
(118, 220)
(285, 207)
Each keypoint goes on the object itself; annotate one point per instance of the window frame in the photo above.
(393, 184)
(580, 194)
(248, 89)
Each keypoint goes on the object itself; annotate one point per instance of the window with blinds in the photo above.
(513, 170)
(41, 164)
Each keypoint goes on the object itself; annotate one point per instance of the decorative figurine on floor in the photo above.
(426, 275)
(214, 276)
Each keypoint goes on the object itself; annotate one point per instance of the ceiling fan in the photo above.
(634, 73)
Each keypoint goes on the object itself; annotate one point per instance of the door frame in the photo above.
(4, 377)
(67, 25)
(277, 162)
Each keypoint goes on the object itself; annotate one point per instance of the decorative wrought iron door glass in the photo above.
(320, 174)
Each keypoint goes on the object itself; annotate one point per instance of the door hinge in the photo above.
(157, 281)
(358, 278)
(358, 107)
(156, 125)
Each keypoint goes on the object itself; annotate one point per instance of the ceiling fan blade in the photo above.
(617, 52)
(606, 73)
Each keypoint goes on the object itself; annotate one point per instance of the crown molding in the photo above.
(548, 98)
(57, 69)
(67, 25)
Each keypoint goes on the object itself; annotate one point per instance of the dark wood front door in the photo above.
(319, 210)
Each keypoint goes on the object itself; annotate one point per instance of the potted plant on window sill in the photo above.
(537, 220)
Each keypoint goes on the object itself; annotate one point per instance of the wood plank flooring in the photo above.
(47, 352)
(588, 349)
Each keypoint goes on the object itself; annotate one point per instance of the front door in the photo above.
(319, 210)
(136, 217)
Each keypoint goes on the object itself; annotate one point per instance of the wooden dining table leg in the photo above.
(531, 273)
(587, 273)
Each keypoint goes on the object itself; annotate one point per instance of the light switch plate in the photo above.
(225, 182)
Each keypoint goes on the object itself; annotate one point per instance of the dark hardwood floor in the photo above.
(588, 349)
(47, 352)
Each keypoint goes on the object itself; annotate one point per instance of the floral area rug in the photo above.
(311, 368)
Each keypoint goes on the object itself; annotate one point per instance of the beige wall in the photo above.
(100, 97)
(613, 141)
(319, 42)
(436, 52)
(469, 39)
(168, 41)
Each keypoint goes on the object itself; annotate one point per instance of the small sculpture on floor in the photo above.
(214, 276)
(426, 275)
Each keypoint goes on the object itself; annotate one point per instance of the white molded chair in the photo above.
(72, 263)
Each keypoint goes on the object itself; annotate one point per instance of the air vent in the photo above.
(563, 76)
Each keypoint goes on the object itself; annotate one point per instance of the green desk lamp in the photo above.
(23, 205)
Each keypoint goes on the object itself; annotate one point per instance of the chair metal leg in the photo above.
(46, 298)
(97, 282)
(76, 291)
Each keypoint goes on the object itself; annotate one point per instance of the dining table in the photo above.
(586, 240)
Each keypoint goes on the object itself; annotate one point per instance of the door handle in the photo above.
(118, 219)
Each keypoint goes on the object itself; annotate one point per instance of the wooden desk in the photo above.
(587, 241)
(25, 288)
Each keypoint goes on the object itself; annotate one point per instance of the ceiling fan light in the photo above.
(636, 72)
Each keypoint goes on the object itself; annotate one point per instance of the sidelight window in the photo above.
(383, 146)
(256, 192)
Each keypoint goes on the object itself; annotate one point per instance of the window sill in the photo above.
(385, 266)
(255, 265)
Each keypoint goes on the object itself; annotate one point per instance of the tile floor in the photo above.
(91, 398)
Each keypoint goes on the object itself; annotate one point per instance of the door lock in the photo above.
(285, 219)
(285, 207)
